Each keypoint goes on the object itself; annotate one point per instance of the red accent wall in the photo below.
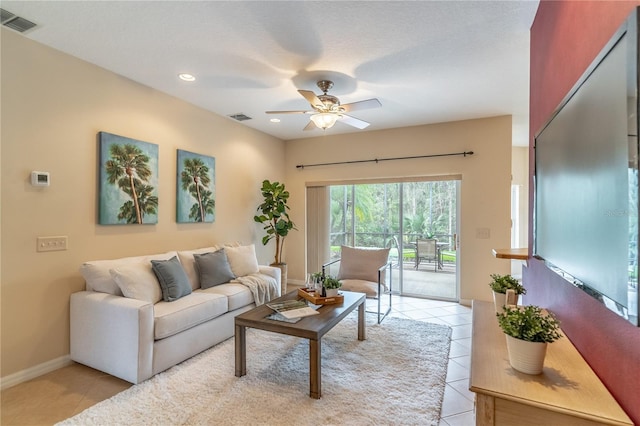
(565, 38)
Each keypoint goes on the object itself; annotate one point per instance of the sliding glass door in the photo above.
(418, 221)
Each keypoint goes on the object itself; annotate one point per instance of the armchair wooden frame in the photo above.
(382, 270)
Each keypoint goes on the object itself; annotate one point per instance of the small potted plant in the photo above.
(528, 330)
(500, 286)
(331, 285)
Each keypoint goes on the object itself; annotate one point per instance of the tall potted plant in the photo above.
(277, 224)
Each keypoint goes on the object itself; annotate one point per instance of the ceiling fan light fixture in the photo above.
(324, 120)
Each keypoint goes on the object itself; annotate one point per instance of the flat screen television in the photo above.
(586, 179)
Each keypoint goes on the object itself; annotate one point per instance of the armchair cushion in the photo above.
(361, 263)
(213, 268)
(361, 286)
(173, 280)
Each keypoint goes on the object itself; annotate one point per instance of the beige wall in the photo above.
(53, 106)
(520, 177)
(485, 187)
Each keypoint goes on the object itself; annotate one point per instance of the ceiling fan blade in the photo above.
(366, 104)
(355, 122)
(311, 98)
(289, 112)
(310, 126)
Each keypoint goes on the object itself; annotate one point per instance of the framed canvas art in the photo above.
(196, 193)
(128, 181)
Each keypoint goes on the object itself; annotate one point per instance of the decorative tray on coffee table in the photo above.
(319, 300)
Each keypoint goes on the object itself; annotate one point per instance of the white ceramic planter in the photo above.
(526, 357)
(332, 292)
(501, 299)
(498, 301)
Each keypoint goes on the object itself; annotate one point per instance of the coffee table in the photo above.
(312, 328)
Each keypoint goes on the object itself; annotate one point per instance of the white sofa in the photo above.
(119, 325)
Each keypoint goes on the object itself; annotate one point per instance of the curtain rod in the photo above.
(377, 160)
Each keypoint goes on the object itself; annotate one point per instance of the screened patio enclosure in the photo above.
(416, 220)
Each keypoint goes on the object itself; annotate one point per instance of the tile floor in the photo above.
(65, 392)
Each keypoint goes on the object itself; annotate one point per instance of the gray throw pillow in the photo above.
(172, 277)
(213, 268)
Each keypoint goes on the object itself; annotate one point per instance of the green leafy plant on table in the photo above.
(530, 323)
(331, 282)
(502, 283)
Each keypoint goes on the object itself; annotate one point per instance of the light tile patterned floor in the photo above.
(458, 404)
(63, 393)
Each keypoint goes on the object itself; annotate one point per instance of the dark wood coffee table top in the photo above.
(312, 327)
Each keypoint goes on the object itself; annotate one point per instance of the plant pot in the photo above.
(283, 276)
(502, 299)
(332, 292)
(526, 357)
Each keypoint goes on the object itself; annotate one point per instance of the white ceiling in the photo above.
(426, 61)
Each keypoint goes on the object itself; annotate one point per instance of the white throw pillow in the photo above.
(243, 260)
(361, 263)
(98, 278)
(137, 281)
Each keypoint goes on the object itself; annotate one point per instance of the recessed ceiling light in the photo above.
(275, 120)
(186, 77)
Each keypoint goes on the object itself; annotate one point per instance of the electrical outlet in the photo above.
(51, 243)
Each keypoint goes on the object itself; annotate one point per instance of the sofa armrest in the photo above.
(113, 334)
(272, 271)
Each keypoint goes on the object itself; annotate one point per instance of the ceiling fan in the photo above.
(327, 109)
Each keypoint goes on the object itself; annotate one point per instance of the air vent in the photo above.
(14, 22)
(5, 15)
(240, 117)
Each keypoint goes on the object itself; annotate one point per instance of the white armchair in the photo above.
(365, 270)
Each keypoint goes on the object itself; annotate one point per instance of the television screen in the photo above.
(586, 212)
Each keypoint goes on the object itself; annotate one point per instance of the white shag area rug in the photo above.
(396, 376)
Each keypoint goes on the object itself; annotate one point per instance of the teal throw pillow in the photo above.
(172, 277)
(213, 268)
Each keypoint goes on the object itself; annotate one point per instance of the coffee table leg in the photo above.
(315, 368)
(241, 351)
(362, 325)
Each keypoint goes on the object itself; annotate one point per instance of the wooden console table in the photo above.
(566, 393)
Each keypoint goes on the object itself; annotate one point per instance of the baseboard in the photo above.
(465, 302)
(33, 372)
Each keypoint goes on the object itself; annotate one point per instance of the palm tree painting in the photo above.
(196, 188)
(128, 181)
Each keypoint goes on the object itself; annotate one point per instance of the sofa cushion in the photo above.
(189, 263)
(173, 280)
(137, 281)
(186, 312)
(213, 268)
(238, 295)
(98, 278)
(243, 260)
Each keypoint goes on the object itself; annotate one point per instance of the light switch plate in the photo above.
(51, 243)
(483, 233)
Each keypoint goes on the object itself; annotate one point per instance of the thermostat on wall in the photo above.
(40, 179)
